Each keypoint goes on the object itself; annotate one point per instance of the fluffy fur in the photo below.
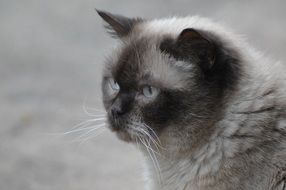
(219, 120)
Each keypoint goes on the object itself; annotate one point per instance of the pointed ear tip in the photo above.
(100, 12)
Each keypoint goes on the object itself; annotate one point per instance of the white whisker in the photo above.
(153, 158)
(145, 133)
(150, 145)
(91, 130)
(101, 113)
(92, 136)
(156, 141)
(79, 129)
(85, 109)
(86, 123)
(96, 109)
(153, 132)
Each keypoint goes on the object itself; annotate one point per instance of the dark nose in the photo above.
(120, 106)
(116, 111)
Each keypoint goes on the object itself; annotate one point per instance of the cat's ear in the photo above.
(118, 26)
(192, 45)
(218, 61)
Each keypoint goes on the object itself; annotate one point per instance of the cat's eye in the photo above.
(150, 91)
(113, 85)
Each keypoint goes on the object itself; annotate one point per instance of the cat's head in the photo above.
(168, 78)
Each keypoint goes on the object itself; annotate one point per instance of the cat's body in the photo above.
(217, 107)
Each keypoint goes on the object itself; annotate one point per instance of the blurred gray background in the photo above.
(51, 55)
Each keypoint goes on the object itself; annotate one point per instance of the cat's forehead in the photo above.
(140, 61)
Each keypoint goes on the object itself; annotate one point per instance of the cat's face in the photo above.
(153, 84)
(145, 90)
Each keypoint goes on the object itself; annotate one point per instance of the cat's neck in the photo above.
(177, 173)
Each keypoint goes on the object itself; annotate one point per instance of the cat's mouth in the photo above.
(128, 132)
(124, 133)
(122, 130)
(125, 136)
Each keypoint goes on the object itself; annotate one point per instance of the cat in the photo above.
(207, 109)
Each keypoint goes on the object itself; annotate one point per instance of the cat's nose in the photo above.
(121, 105)
(117, 108)
(116, 111)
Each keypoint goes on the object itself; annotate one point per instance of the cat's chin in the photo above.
(125, 136)
(123, 133)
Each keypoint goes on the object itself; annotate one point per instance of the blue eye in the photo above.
(113, 84)
(150, 91)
